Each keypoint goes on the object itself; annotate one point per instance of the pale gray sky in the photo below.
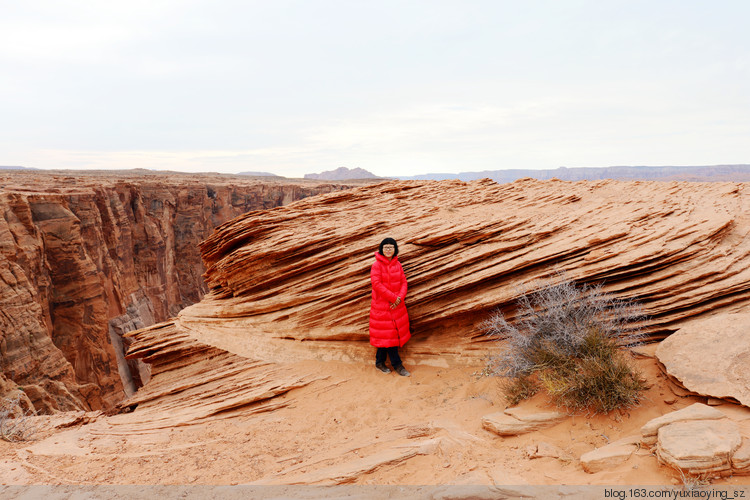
(396, 87)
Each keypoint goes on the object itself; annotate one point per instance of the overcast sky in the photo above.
(396, 87)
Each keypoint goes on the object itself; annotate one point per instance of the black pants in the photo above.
(392, 352)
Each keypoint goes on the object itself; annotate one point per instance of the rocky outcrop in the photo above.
(711, 357)
(699, 446)
(514, 421)
(698, 440)
(609, 456)
(226, 381)
(695, 411)
(293, 283)
(85, 258)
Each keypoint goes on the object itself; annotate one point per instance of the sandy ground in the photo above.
(354, 426)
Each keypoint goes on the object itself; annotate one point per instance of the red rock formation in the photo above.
(85, 258)
(293, 283)
(679, 248)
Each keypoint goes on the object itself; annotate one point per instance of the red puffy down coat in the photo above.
(388, 327)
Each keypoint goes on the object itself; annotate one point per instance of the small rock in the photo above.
(608, 456)
(534, 416)
(698, 446)
(695, 411)
(714, 402)
(510, 423)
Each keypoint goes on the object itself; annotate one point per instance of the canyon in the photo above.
(87, 257)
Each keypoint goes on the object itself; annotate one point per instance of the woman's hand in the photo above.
(395, 304)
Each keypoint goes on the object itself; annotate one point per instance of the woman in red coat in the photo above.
(389, 321)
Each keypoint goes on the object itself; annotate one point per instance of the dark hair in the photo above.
(388, 241)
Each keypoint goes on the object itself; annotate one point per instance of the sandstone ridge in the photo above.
(292, 283)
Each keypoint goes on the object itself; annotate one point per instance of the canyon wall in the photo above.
(85, 258)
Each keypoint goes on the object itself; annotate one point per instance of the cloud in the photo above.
(295, 87)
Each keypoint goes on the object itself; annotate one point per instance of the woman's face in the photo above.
(388, 251)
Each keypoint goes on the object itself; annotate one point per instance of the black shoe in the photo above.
(382, 367)
(402, 371)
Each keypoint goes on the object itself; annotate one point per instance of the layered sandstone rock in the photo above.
(698, 440)
(514, 421)
(85, 258)
(711, 357)
(609, 456)
(293, 282)
(468, 248)
(695, 411)
(699, 446)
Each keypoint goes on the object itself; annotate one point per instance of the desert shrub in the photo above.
(571, 341)
(16, 423)
(519, 388)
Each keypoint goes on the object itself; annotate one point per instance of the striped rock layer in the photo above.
(86, 257)
(293, 282)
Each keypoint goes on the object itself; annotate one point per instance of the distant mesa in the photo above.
(342, 174)
(259, 174)
(16, 168)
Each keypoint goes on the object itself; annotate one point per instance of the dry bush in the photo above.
(570, 340)
(16, 423)
(519, 388)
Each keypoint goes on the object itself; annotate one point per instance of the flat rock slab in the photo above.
(695, 411)
(515, 421)
(699, 446)
(530, 415)
(711, 356)
(609, 456)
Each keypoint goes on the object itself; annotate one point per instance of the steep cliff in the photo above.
(84, 258)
